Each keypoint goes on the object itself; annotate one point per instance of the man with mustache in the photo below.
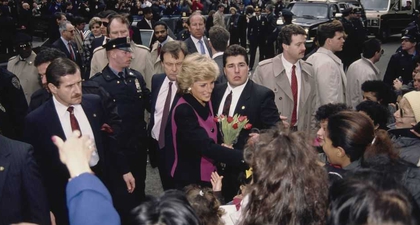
(162, 37)
(128, 90)
(291, 79)
(65, 112)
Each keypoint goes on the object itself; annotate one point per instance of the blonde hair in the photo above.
(94, 21)
(196, 67)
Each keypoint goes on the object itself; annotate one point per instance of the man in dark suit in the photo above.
(22, 194)
(256, 35)
(147, 22)
(197, 42)
(271, 35)
(246, 98)
(172, 55)
(219, 39)
(67, 45)
(65, 112)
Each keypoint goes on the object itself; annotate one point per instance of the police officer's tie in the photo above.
(226, 106)
(203, 51)
(165, 115)
(73, 121)
(294, 87)
(72, 57)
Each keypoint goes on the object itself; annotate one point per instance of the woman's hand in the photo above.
(227, 146)
(397, 84)
(216, 181)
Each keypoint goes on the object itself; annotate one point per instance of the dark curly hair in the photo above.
(289, 187)
(377, 112)
(329, 109)
(383, 92)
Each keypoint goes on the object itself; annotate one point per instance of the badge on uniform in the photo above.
(2, 108)
(262, 23)
(16, 82)
(138, 86)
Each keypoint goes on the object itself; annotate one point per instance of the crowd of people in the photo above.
(325, 140)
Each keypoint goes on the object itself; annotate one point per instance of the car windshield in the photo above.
(310, 10)
(377, 5)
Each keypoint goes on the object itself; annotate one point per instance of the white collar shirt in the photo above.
(198, 46)
(288, 68)
(236, 94)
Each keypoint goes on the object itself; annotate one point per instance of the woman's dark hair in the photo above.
(377, 112)
(329, 109)
(60, 67)
(288, 187)
(368, 197)
(172, 208)
(205, 204)
(355, 133)
(383, 92)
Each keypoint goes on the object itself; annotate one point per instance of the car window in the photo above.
(375, 5)
(319, 11)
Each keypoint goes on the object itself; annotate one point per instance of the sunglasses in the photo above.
(103, 23)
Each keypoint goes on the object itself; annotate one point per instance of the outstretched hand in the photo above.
(216, 181)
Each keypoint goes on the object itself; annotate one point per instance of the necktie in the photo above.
(165, 115)
(71, 52)
(294, 87)
(121, 75)
(81, 35)
(226, 106)
(73, 121)
(159, 48)
(203, 51)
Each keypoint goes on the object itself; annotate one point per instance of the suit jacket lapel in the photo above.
(305, 86)
(4, 164)
(52, 116)
(218, 95)
(281, 78)
(242, 102)
(95, 123)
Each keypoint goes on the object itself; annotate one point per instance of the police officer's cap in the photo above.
(286, 12)
(221, 5)
(22, 38)
(118, 43)
(347, 11)
(410, 34)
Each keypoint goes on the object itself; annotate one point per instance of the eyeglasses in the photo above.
(402, 112)
(105, 24)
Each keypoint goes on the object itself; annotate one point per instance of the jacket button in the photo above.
(113, 100)
(280, 98)
(140, 96)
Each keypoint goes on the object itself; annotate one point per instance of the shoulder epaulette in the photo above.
(14, 57)
(142, 46)
(98, 49)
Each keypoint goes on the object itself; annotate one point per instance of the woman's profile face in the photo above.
(201, 90)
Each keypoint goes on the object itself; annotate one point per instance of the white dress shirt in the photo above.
(64, 117)
(198, 46)
(236, 93)
(160, 104)
(288, 67)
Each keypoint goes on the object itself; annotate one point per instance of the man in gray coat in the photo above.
(291, 79)
(330, 79)
(362, 70)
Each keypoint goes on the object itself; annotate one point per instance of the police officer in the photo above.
(287, 17)
(257, 27)
(128, 90)
(22, 65)
(350, 51)
(142, 60)
(271, 31)
(402, 63)
(13, 106)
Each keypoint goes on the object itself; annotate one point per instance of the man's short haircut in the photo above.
(57, 15)
(160, 23)
(147, 10)
(269, 7)
(174, 48)
(329, 109)
(327, 30)
(60, 67)
(383, 92)
(219, 38)
(288, 31)
(235, 50)
(106, 14)
(47, 55)
(195, 14)
(78, 20)
(63, 26)
(120, 18)
(377, 112)
(370, 47)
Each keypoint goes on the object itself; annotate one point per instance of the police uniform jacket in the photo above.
(27, 73)
(400, 64)
(257, 29)
(132, 97)
(157, 65)
(141, 62)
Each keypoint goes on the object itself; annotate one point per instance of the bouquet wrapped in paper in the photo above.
(230, 127)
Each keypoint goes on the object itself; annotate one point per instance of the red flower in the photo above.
(235, 126)
(248, 126)
(242, 118)
(216, 119)
(229, 119)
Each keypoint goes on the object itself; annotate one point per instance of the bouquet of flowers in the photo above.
(230, 127)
